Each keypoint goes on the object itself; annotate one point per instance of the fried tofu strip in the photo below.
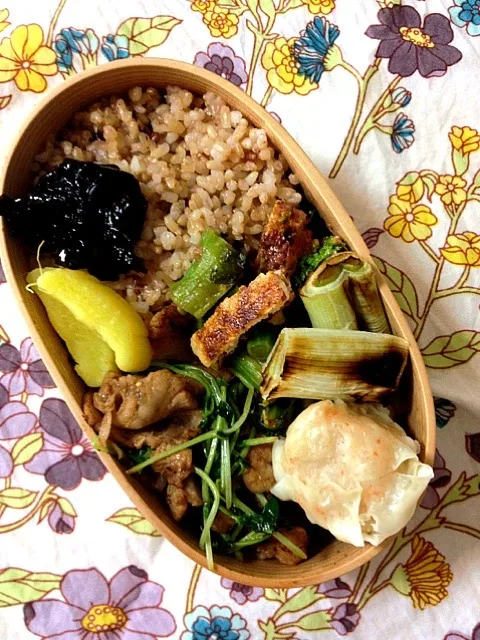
(219, 336)
(285, 239)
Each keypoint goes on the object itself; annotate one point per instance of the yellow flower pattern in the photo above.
(412, 189)
(322, 7)
(409, 222)
(3, 19)
(465, 139)
(451, 189)
(463, 249)
(221, 22)
(202, 6)
(25, 59)
(425, 576)
(282, 68)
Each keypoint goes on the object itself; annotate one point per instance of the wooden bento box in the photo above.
(336, 558)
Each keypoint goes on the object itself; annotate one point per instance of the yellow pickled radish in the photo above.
(92, 354)
(101, 310)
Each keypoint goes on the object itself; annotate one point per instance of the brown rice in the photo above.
(199, 163)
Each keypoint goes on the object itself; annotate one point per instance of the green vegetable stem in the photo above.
(247, 369)
(210, 278)
(307, 265)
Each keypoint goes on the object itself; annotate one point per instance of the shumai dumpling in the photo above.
(352, 469)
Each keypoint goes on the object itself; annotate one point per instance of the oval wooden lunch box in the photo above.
(60, 104)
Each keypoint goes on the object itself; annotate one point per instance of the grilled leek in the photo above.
(365, 296)
(342, 294)
(321, 363)
(325, 296)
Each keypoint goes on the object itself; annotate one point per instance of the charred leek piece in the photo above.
(365, 296)
(341, 291)
(325, 296)
(321, 363)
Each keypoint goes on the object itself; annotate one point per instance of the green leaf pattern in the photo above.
(401, 287)
(146, 33)
(132, 519)
(18, 586)
(444, 352)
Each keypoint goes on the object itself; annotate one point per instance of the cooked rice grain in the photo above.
(200, 164)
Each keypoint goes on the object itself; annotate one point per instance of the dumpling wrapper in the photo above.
(352, 469)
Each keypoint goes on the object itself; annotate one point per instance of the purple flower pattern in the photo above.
(241, 593)
(455, 635)
(6, 463)
(335, 589)
(67, 456)
(15, 418)
(223, 61)
(126, 608)
(24, 371)
(441, 478)
(371, 236)
(345, 618)
(275, 116)
(472, 444)
(412, 47)
(58, 520)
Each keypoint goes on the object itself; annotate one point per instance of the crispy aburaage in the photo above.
(285, 239)
(233, 317)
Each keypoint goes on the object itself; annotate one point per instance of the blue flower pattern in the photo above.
(313, 47)
(401, 97)
(444, 411)
(84, 42)
(402, 135)
(73, 41)
(218, 623)
(64, 55)
(115, 47)
(220, 628)
(466, 13)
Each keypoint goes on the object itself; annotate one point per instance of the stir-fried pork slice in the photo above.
(92, 415)
(259, 478)
(177, 467)
(160, 483)
(177, 501)
(188, 420)
(169, 335)
(233, 317)
(135, 402)
(285, 239)
(222, 523)
(178, 498)
(192, 491)
(272, 548)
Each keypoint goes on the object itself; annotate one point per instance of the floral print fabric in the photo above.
(382, 95)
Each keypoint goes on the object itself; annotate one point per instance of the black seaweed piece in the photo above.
(88, 215)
